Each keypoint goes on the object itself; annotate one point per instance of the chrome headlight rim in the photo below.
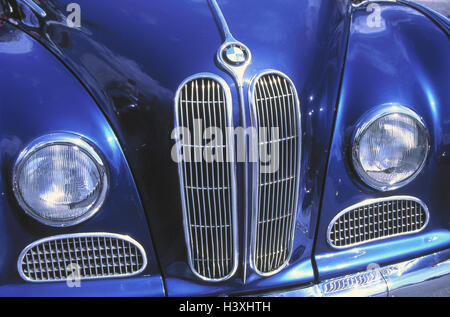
(364, 123)
(68, 139)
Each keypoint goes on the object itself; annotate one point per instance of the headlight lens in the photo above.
(390, 148)
(60, 180)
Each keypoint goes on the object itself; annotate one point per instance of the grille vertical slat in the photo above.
(54, 259)
(382, 218)
(213, 206)
(283, 184)
(275, 105)
(207, 186)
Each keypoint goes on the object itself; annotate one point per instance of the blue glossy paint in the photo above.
(130, 59)
(440, 20)
(38, 95)
(404, 61)
(146, 286)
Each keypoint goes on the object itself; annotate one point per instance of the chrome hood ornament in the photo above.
(232, 55)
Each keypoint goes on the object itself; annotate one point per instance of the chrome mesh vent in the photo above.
(208, 186)
(87, 255)
(377, 219)
(275, 105)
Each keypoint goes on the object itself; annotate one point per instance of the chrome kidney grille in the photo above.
(83, 256)
(274, 104)
(208, 187)
(377, 219)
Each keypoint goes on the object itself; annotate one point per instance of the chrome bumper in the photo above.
(424, 276)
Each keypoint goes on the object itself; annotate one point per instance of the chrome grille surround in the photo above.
(274, 218)
(361, 223)
(208, 190)
(97, 255)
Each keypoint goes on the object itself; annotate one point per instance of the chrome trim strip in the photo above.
(238, 74)
(378, 281)
(366, 121)
(63, 139)
(357, 5)
(33, 5)
(373, 201)
(231, 147)
(82, 235)
(221, 19)
(255, 181)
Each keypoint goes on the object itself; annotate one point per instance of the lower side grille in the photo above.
(81, 255)
(377, 219)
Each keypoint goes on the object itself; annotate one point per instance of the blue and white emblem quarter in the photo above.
(235, 55)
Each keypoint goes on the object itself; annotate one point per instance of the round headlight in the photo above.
(60, 180)
(390, 148)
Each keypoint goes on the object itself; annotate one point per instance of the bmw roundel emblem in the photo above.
(235, 54)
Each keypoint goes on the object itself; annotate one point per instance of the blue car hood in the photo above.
(132, 55)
